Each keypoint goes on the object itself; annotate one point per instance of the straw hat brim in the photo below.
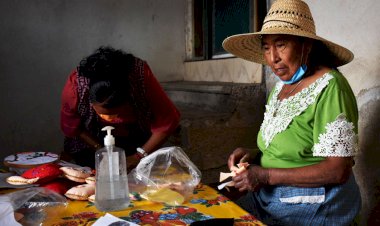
(248, 46)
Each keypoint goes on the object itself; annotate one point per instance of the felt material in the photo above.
(45, 172)
(242, 166)
(91, 198)
(81, 192)
(90, 180)
(18, 180)
(166, 195)
(75, 174)
(59, 185)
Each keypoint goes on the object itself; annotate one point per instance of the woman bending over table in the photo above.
(111, 87)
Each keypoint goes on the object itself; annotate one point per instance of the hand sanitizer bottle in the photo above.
(112, 192)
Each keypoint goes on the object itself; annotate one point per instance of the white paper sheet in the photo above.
(108, 220)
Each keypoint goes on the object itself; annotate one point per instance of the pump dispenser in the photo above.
(109, 140)
(112, 192)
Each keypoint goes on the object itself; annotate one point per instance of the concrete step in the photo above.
(216, 118)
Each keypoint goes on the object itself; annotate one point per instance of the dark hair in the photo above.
(108, 94)
(106, 64)
(320, 55)
(107, 70)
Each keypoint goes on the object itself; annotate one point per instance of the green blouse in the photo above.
(318, 122)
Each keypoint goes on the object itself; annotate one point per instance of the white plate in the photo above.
(29, 159)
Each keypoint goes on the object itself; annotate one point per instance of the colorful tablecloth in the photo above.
(205, 203)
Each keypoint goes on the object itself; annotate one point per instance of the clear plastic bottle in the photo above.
(112, 192)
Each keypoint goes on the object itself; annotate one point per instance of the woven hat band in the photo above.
(289, 14)
(282, 27)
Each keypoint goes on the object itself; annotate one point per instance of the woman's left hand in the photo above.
(251, 179)
(132, 162)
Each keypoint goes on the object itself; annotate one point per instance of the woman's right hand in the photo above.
(251, 179)
(237, 156)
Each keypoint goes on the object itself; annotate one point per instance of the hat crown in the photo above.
(289, 15)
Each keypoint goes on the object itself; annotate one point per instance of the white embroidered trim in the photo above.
(279, 114)
(304, 199)
(339, 140)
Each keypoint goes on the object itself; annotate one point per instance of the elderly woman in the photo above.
(111, 87)
(309, 134)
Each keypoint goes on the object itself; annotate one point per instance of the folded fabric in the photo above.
(59, 185)
(75, 174)
(81, 192)
(45, 172)
(90, 180)
(19, 180)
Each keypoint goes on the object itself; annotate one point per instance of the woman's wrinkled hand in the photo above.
(251, 179)
(238, 155)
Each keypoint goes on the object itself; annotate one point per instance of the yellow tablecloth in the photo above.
(205, 203)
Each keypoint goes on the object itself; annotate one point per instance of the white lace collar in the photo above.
(280, 113)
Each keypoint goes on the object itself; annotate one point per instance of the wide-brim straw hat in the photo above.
(291, 17)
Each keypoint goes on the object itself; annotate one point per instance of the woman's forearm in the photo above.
(333, 170)
(154, 142)
(90, 140)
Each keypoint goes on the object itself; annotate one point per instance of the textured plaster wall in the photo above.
(354, 24)
(223, 70)
(42, 41)
(368, 161)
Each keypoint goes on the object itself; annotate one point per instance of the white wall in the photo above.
(42, 41)
(355, 25)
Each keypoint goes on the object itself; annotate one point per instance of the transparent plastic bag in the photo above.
(167, 175)
(36, 204)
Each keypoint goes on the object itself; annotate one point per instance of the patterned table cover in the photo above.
(205, 203)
